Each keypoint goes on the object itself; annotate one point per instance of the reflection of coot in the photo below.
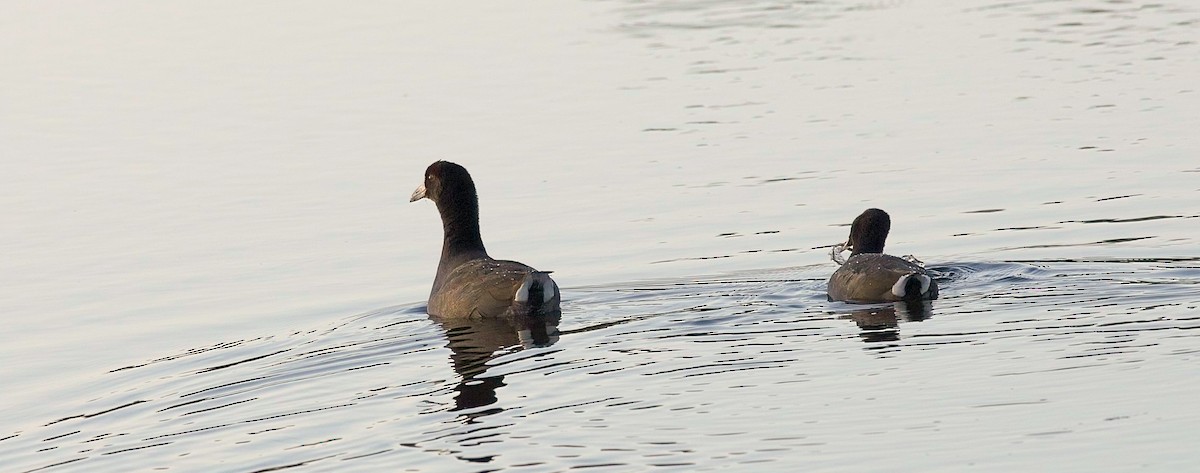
(473, 342)
(882, 324)
(914, 311)
(478, 392)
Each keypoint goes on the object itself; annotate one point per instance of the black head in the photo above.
(450, 187)
(445, 182)
(868, 232)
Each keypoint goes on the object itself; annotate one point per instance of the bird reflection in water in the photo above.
(474, 342)
(882, 323)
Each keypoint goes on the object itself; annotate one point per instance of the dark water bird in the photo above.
(469, 283)
(871, 276)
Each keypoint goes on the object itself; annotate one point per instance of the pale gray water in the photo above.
(194, 187)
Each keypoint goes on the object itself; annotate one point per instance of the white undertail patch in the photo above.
(898, 288)
(549, 288)
(523, 291)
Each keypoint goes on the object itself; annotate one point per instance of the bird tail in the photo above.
(535, 308)
(912, 287)
(536, 292)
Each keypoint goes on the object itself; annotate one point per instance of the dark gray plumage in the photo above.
(469, 283)
(871, 276)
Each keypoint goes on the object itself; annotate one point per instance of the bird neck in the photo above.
(867, 247)
(460, 230)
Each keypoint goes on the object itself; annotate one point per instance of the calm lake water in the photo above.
(210, 263)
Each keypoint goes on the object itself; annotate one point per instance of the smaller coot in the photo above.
(871, 276)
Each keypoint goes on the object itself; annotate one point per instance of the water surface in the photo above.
(1017, 364)
(210, 262)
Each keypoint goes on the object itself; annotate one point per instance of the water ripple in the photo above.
(724, 356)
